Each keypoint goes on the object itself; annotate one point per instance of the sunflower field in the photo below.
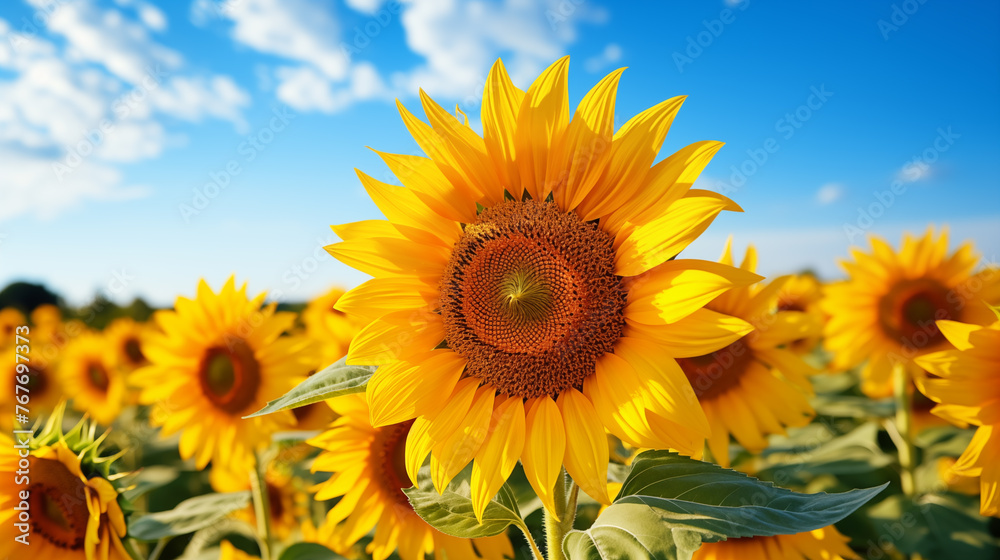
(534, 370)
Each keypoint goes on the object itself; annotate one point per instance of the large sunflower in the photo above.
(885, 312)
(822, 544)
(526, 295)
(219, 358)
(91, 377)
(369, 473)
(967, 386)
(73, 508)
(756, 385)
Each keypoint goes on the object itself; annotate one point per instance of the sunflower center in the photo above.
(38, 382)
(388, 450)
(230, 376)
(274, 501)
(909, 311)
(133, 351)
(713, 374)
(98, 376)
(531, 299)
(58, 504)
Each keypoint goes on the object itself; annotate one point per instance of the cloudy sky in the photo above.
(144, 145)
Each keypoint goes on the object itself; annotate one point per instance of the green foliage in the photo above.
(333, 381)
(939, 525)
(670, 503)
(189, 516)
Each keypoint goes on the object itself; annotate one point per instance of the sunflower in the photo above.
(46, 320)
(42, 384)
(221, 357)
(10, 319)
(369, 473)
(822, 544)
(756, 385)
(526, 296)
(967, 388)
(73, 508)
(802, 292)
(90, 376)
(885, 312)
(286, 499)
(126, 337)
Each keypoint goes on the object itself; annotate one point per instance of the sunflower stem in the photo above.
(556, 529)
(160, 545)
(904, 425)
(262, 508)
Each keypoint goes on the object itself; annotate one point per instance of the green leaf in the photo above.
(309, 551)
(189, 516)
(934, 526)
(334, 381)
(853, 453)
(848, 406)
(452, 513)
(669, 503)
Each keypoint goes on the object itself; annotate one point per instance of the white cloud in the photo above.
(913, 172)
(611, 54)
(457, 41)
(71, 113)
(829, 193)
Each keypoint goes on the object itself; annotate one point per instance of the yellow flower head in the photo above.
(330, 328)
(126, 337)
(369, 473)
(46, 320)
(822, 544)
(803, 292)
(885, 312)
(42, 384)
(220, 357)
(756, 385)
(229, 552)
(967, 386)
(526, 297)
(285, 497)
(90, 376)
(73, 508)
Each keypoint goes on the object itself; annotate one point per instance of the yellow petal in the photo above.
(541, 121)
(544, 449)
(407, 389)
(394, 336)
(499, 453)
(501, 102)
(700, 333)
(418, 446)
(451, 455)
(677, 288)
(587, 452)
(663, 238)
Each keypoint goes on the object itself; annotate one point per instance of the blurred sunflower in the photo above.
(126, 337)
(286, 499)
(802, 292)
(756, 385)
(43, 387)
(525, 281)
(74, 507)
(90, 376)
(967, 388)
(10, 319)
(221, 357)
(822, 544)
(46, 320)
(369, 473)
(885, 312)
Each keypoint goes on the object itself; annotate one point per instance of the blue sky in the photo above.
(116, 116)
